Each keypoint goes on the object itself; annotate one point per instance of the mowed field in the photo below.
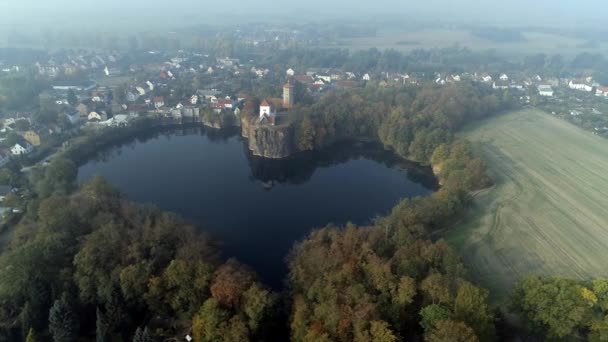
(548, 213)
(535, 42)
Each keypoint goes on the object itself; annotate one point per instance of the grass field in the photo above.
(536, 42)
(548, 213)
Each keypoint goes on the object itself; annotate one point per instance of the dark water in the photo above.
(257, 207)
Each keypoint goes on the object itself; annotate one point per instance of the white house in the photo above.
(140, 90)
(579, 85)
(324, 78)
(267, 111)
(545, 90)
(601, 91)
(21, 149)
(290, 72)
(504, 77)
(194, 100)
(486, 78)
(94, 116)
(367, 77)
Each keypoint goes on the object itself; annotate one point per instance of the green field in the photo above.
(548, 213)
(536, 42)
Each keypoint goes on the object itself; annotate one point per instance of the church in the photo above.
(268, 111)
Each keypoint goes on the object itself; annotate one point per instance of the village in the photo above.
(82, 91)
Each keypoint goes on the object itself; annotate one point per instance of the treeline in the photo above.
(563, 309)
(92, 265)
(390, 282)
(412, 121)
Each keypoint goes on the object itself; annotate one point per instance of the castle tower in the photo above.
(288, 95)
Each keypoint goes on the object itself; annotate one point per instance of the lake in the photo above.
(258, 208)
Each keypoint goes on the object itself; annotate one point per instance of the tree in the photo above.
(431, 314)
(72, 98)
(555, 307)
(22, 125)
(451, 331)
(63, 324)
(380, 332)
(471, 307)
(142, 335)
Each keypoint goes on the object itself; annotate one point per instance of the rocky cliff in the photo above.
(273, 142)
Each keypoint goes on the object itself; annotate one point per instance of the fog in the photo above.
(32, 15)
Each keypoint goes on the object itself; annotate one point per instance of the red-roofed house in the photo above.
(159, 102)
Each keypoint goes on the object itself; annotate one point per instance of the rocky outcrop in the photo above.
(273, 142)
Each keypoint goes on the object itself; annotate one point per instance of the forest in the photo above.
(86, 264)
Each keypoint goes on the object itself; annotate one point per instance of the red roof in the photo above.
(264, 103)
(159, 99)
(288, 85)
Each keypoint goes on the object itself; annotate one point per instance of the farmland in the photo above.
(535, 42)
(548, 213)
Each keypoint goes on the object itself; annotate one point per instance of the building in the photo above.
(545, 90)
(79, 86)
(580, 85)
(94, 116)
(290, 72)
(32, 137)
(601, 91)
(21, 149)
(267, 113)
(159, 102)
(288, 95)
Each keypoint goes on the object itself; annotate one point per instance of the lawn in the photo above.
(548, 213)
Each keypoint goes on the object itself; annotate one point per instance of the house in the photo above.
(150, 85)
(21, 149)
(324, 77)
(504, 77)
(194, 100)
(580, 85)
(267, 113)
(366, 77)
(5, 190)
(601, 91)
(79, 86)
(96, 117)
(305, 79)
(31, 137)
(140, 90)
(290, 72)
(159, 102)
(501, 85)
(486, 78)
(545, 90)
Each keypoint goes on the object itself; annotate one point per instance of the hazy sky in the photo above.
(141, 13)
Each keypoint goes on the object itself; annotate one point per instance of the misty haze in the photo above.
(303, 171)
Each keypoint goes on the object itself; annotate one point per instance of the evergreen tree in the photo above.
(72, 98)
(142, 335)
(63, 324)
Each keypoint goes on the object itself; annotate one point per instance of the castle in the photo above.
(268, 112)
